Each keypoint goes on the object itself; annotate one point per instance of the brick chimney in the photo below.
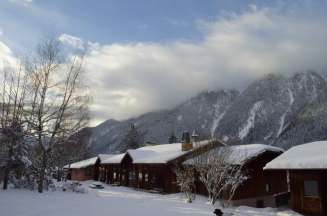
(186, 141)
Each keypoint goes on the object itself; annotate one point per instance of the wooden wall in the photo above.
(83, 174)
(305, 204)
(159, 177)
(262, 183)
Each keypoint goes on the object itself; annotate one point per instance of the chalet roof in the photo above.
(240, 154)
(161, 154)
(104, 157)
(82, 164)
(88, 162)
(307, 156)
(114, 159)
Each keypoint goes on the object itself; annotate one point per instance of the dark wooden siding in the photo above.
(159, 177)
(262, 183)
(83, 174)
(305, 204)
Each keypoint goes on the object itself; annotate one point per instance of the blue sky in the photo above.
(141, 51)
(112, 21)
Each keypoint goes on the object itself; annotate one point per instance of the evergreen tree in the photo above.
(172, 138)
(132, 139)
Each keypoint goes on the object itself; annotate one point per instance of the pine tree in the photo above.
(132, 139)
(172, 138)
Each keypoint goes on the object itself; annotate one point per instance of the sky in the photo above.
(148, 55)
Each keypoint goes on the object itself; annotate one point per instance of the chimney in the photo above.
(194, 138)
(186, 141)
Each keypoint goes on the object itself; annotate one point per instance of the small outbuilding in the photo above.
(307, 173)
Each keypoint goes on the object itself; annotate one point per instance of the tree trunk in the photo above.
(7, 169)
(6, 178)
(42, 173)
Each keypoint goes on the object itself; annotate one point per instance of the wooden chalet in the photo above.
(86, 169)
(115, 169)
(261, 189)
(307, 172)
(152, 167)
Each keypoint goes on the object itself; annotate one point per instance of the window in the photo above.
(115, 176)
(131, 176)
(146, 177)
(140, 176)
(153, 180)
(268, 188)
(311, 188)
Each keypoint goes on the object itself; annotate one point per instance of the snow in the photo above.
(281, 127)
(250, 121)
(88, 162)
(117, 201)
(239, 154)
(307, 156)
(104, 157)
(157, 154)
(282, 119)
(161, 154)
(215, 123)
(115, 159)
(290, 93)
(179, 118)
(83, 163)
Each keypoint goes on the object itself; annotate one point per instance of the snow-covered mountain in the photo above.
(270, 109)
(274, 110)
(201, 113)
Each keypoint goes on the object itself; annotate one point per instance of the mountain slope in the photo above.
(273, 110)
(201, 113)
(266, 108)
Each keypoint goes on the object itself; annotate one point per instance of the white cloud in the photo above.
(7, 57)
(24, 2)
(72, 41)
(129, 79)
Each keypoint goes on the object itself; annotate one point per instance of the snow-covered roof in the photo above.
(159, 154)
(82, 164)
(307, 156)
(88, 162)
(239, 154)
(104, 157)
(114, 159)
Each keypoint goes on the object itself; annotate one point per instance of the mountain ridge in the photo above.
(270, 110)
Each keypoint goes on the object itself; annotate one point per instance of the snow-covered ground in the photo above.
(115, 201)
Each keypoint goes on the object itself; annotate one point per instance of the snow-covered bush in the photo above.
(186, 181)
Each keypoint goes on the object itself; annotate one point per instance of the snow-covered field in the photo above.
(113, 201)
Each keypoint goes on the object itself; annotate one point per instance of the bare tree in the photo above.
(185, 178)
(57, 104)
(220, 172)
(12, 102)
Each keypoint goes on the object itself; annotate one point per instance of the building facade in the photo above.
(306, 166)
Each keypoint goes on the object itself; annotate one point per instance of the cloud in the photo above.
(23, 2)
(128, 79)
(7, 57)
(72, 41)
